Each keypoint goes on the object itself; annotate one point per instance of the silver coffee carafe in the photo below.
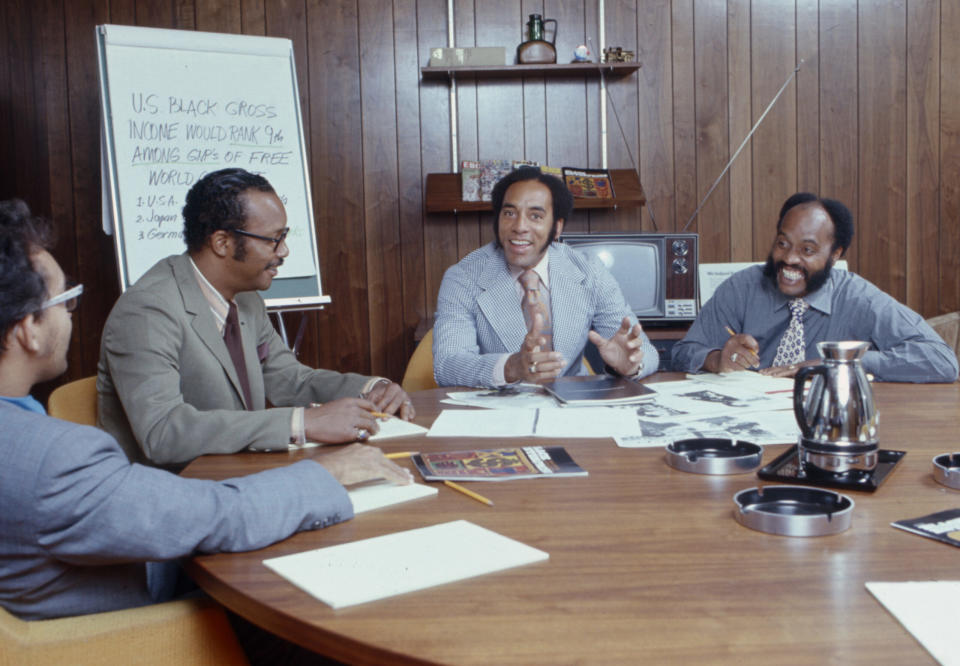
(838, 418)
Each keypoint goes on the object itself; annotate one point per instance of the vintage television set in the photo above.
(657, 273)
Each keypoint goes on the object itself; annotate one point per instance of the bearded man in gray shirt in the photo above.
(772, 317)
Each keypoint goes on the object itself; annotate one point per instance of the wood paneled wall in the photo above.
(872, 118)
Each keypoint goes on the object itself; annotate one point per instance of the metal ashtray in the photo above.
(793, 510)
(703, 455)
(946, 469)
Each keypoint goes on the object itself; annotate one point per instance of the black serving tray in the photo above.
(786, 468)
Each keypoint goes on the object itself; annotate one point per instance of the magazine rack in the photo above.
(443, 194)
(443, 191)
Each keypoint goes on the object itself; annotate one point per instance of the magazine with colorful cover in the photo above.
(470, 180)
(943, 526)
(491, 172)
(588, 183)
(520, 462)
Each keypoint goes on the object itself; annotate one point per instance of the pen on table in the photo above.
(468, 493)
(400, 454)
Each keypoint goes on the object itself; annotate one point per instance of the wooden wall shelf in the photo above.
(512, 71)
(444, 189)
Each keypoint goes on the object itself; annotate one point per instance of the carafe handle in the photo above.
(799, 381)
(554, 22)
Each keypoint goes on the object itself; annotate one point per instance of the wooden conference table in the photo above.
(646, 562)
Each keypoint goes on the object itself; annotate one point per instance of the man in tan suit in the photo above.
(189, 358)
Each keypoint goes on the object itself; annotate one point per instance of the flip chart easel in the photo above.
(178, 104)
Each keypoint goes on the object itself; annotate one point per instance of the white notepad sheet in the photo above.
(395, 427)
(379, 495)
(553, 422)
(384, 566)
(930, 610)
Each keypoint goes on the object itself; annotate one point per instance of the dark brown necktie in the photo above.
(231, 336)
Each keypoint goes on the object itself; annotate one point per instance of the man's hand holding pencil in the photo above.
(739, 353)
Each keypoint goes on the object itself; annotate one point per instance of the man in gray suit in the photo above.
(172, 386)
(481, 334)
(83, 530)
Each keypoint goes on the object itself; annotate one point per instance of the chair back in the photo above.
(419, 374)
(947, 327)
(75, 401)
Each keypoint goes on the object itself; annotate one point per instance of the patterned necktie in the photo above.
(532, 305)
(231, 336)
(792, 349)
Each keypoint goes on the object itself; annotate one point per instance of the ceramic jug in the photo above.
(838, 418)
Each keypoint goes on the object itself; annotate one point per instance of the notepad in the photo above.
(385, 566)
(379, 495)
(930, 610)
(394, 427)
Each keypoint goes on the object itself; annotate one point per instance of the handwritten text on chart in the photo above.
(180, 139)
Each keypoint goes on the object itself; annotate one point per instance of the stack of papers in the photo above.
(720, 406)
(739, 405)
(378, 495)
(384, 566)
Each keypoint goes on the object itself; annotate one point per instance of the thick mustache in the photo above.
(275, 264)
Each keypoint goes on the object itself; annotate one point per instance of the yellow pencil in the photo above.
(381, 415)
(468, 493)
(730, 331)
(401, 454)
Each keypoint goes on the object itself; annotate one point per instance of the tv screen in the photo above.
(636, 264)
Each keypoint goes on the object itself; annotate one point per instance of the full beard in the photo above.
(814, 282)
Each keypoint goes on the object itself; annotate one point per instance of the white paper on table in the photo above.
(493, 399)
(484, 423)
(748, 380)
(773, 427)
(552, 422)
(384, 566)
(379, 495)
(930, 610)
(692, 400)
(395, 427)
(609, 421)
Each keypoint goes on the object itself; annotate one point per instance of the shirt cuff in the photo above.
(373, 381)
(298, 434)
(497, 376)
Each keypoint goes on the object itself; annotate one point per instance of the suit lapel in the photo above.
(567, 303)
(204, 324)
(499, 304)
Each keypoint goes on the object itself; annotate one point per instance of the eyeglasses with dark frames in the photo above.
(69, 299)
(276, 241)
